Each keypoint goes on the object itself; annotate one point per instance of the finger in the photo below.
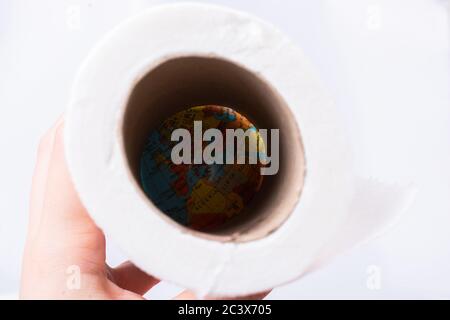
(60, 228)
(40, 178)
(186, 295)
(131, 278)
(189, 295)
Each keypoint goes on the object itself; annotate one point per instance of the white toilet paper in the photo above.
(223, 268)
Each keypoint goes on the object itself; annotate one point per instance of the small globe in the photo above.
(199, 196)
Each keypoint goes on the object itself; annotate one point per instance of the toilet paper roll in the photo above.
(170, 57)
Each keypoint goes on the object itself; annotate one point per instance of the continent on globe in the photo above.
(199, 196)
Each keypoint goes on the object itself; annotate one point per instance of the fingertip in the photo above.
(190, 295)
(131, 278)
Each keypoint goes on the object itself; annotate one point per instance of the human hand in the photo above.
(61, 236)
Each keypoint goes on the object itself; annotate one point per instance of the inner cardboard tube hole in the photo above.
(180, 83)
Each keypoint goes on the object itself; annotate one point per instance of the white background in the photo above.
(385, 62)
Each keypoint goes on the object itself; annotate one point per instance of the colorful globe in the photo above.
(199, 196)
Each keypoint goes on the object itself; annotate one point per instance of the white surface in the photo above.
(385, 63)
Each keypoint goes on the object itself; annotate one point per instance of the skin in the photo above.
(61, 234)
